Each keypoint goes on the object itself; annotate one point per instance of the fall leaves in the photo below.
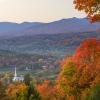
(79, 73)
(13, 90)
(91, 7)
(47, 90)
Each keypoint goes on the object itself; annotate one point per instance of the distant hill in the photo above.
(58, 45)
(64, 26)
(9, 28)
(60, 26)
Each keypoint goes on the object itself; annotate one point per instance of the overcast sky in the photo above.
(37, 10)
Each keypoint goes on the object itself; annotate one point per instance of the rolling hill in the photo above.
(54, 44)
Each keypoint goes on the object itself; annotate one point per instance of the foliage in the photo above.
(47, 90)
(31, 93)
(94, 93)
(27, 79)
(67, 83)
(91, 7)
(3, 95)
(16, 91)
(88, 53)
(80, 72)
(20, 91)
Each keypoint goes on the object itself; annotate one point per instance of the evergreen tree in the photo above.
(31, 93)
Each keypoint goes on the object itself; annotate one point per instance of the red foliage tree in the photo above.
(91, 7)
(80, 72)
(88, 53)
(87, 60)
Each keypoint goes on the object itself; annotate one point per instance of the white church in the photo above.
(17, 78)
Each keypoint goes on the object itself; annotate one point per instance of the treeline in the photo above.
(79, 79)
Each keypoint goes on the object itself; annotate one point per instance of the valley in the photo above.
(36, 51)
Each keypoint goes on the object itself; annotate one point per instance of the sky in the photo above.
(37, 10)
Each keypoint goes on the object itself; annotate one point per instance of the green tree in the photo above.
(31, 93)
(27, 79)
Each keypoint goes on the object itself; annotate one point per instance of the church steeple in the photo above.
(15, 73)
(17, 78)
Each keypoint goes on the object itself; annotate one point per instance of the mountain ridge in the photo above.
(60, 26)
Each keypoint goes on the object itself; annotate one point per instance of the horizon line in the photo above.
(39, 21)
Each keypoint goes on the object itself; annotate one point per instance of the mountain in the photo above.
(60, 26)
(9, 28)
(64, 26)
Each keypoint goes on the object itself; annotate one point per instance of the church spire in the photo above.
(15, 73)
(17, 78)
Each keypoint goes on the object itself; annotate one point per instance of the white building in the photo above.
(44, 67)
(27, 69)
(17, 78)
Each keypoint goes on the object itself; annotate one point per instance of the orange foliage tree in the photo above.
(3, 95)
(47, 90)
(16, 91)
(81, 72)
(67, 83)
(91, 7)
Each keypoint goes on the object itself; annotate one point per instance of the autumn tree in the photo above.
(47, 90)
(88, 53)
(87, 60)
(91, 7)
(81, 72)
(16, 91)
(3, 95)
(67, 83)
